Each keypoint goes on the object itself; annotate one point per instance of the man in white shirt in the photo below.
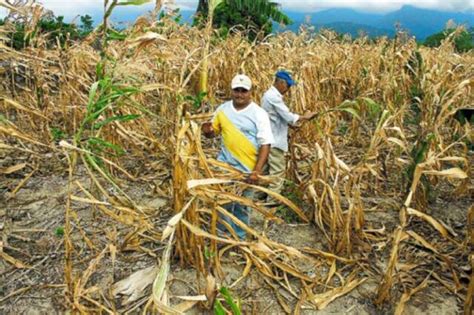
(280, 118)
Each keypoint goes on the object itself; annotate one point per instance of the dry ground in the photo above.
(32, 222)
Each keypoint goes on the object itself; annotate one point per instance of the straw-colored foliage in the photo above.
(392, 98)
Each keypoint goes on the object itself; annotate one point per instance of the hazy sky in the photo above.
(74, 7)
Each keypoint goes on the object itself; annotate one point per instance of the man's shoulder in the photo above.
(272, 95)
(223, 105)
(258, 110)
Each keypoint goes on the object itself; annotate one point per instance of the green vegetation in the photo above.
(57, 134)
(59, 231)
(219, 308)
(292, 192)
(54, 28)
(463, 42)
(255, 16)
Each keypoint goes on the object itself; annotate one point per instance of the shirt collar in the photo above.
(275, 90)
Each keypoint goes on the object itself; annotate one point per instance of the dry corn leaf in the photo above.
(193, 183)
(398, 142)
(199, 232)
(407, 295)
(438, 226)
(134, 285)
(284, 200)
(15, 262)
(422, 241)
(261, 249)
(165, 309)
(171, 225)
(454, 172)
(146, 39)
(322, 300)
(12, 132)
(23, 108)
(211, 289)
(159, 284)
(12, 169)
(383, 291)
(185, 306)
(454, 159)
(192, 297)
(332, 271)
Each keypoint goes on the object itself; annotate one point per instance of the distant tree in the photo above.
(54, 28)
(253, 15)
(463, 42)
(86, 24)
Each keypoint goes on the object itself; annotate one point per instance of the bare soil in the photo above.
(31, 223)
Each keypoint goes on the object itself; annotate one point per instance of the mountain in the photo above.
(338, 15)
(422, 22)
(355, 29)
(418, 22)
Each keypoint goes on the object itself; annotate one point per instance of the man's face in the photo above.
(241, 96)
(282, 86)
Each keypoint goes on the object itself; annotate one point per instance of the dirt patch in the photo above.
(32, 223)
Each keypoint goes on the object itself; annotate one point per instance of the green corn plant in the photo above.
(59, 231)
(418, 155)
(373, 108)
(219, 308)
(197, 100)
(348, 106)
(57, 134)
(208, 254)
(104, 95)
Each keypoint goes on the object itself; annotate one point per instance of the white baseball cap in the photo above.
(241, 81)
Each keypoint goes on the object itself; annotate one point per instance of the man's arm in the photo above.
(283, 111)
(263, 153)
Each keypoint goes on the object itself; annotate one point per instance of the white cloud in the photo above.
(72, 8)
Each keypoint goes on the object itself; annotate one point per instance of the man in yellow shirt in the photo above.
(246, 138)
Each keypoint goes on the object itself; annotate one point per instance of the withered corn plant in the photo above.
(122, 109)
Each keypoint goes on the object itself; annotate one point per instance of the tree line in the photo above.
(255, 17)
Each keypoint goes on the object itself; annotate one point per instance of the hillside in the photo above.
(419, 22)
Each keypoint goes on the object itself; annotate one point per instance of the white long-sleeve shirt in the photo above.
(280, 117)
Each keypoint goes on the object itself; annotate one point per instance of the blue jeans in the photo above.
(240, 212)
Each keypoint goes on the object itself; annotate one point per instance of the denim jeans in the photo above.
(241, 212)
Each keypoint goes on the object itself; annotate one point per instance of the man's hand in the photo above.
(253, 178)
(208, 130)
(263, 153)
(308, 116)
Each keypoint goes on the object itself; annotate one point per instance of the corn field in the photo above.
(376, 174)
